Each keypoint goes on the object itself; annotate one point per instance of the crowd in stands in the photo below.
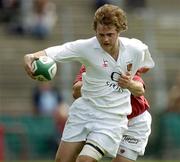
(48, 101)
(35, 18)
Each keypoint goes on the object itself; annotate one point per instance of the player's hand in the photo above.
(28, 60)
(125, 80)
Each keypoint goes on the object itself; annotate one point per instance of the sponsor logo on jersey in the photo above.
(130, 139)
(122, 151)
(114, 86)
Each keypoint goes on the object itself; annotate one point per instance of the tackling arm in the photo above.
(77, 89)
(136, 88)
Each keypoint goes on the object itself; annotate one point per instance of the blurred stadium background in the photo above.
(23, 137)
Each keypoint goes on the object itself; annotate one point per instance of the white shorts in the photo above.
(136, 137)
(85, 122)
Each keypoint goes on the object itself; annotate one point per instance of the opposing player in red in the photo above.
(139, 126)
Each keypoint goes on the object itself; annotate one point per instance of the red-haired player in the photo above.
(139, 126)
(97, 120)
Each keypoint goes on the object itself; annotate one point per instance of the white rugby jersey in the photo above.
(99, 81)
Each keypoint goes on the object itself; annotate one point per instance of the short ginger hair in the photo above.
(111, 15)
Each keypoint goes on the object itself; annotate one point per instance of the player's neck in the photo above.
(115, 51)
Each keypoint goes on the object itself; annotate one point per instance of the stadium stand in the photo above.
(74, 22)
(27, 137)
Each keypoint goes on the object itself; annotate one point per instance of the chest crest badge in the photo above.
(105, 63)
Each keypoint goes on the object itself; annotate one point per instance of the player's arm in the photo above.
(29, 58)
(136, 88)
(76, 92)
(77, 89)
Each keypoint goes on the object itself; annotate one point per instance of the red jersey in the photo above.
(139, 104)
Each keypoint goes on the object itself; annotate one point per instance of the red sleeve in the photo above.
(142, 70)
(79, 75)
(139, 104)
(138, 78)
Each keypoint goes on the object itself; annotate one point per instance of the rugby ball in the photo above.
(44, 69)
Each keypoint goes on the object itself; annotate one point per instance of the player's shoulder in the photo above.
(133, 43)
(88, 41)
(80, 44)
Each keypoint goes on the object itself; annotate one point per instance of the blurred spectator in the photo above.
(169, 122)
(10, 11)
(33, 17)
(135, 6)
(1, 10)
(48, 101)
(41, 20)
(174, 96)
(99, 3)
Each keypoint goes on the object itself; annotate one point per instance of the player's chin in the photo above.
(107, 47)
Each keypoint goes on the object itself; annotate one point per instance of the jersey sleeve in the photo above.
(146, 59)
(66, 52)
(79, 75)
(138, 78)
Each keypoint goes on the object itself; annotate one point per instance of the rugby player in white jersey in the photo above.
(98, 119)
(136, 137)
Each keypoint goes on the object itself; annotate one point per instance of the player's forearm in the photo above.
(136, 88)
(38, 54)
(77, 89)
